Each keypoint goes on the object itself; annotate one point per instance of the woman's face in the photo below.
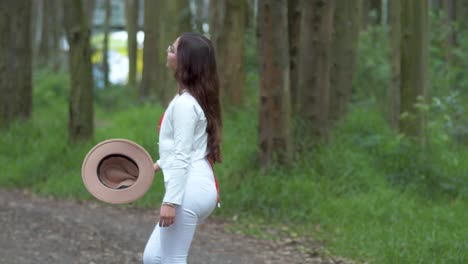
(172, 55)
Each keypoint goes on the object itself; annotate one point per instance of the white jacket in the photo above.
(182, 140)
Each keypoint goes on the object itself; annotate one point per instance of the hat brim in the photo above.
(126, 148)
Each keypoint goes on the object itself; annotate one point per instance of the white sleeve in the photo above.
(184, 121)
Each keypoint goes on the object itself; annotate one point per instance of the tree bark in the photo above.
(314, 72)
(344, 49)
(230, 51)
(151, 50)
(449, 19)
(89, 8)
(81, 109)
(131, 12)
(274, 116)
(395, 33)
(15, 61)
(174, 20)
(44, 44)
(105, 52)
(217, 13)
(414, 66)
(294, 26)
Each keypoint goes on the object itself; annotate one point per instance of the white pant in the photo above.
(171, 244)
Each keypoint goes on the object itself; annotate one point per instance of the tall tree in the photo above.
(274, 116)
(152, 50)
(81, 109)
(15, 61)
(395, 33)
(216, 17)
(174, 20)
(344, 49)
(44, 44)
(449, 19)
(314, 67)
(131, 14)
(294, 26)
(105, 52)
(89, 8)
(414, 65)
(230, 52)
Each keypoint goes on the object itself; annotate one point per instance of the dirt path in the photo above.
(40, 230)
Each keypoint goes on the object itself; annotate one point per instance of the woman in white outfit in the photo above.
(189, 142)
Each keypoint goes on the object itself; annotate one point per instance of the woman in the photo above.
(189, 142)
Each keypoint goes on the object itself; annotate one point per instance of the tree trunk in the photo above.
(105, 52)
(414, 66)
(217, 13)
(56, 33)
(376, 9)
(152, 50)
(131, 12)
(449, 19)
(230, 51)
(15, 61)
(344, 50)
(44, 44)
(294, 26)
(274, 116)
(89, 7)
(395, 33)
(366, 7)
(314, 63)
(174, 20)
(81, 111)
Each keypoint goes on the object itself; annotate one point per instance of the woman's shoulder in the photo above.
(185, 101)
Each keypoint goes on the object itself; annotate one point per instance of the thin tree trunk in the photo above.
(395, 33)
(344, 50)
(414, 66)
(314, 72)
(230, 53)
(274, 116)
(152, 50)
(366, 7)
(89, 8)
(294, 26)
(15, 61)
(449, 18)
(131, 11)
(376, 9)
(174, 20)
(217, 13)
(105, 52)
(81, 110)
(56, 32)
(44, 44)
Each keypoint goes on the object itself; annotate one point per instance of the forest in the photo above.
(344, 122)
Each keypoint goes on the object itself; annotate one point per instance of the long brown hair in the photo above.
(196, 71)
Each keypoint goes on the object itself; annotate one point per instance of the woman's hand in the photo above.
(156, 167)
(166, 215)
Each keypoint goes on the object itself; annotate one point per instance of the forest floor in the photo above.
(46, 230)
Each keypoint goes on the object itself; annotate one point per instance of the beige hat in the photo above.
(117, 171)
